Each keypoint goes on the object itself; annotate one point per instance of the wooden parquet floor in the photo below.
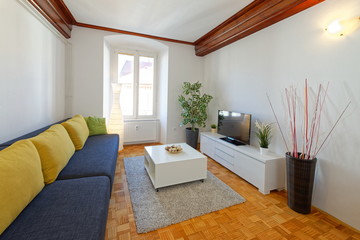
(261, 217)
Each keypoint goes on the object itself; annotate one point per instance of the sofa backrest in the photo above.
(28, 135)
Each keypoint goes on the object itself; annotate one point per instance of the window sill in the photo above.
(141, 119)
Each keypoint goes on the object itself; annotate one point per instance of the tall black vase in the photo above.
(192, 137)
(300, 181)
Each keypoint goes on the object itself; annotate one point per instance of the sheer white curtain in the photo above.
(116, 121)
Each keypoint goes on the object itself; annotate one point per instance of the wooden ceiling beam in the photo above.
(56, 12)
(256, 16)
(85, 25)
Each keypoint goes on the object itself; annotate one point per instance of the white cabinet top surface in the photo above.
(251, 151)
(159, 155)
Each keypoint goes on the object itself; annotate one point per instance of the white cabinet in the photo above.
(208, 146)
(224, 155)
(266, 172)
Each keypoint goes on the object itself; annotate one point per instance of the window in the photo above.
(136, 73)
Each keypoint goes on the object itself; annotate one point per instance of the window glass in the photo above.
(146, 86)
(126, 78)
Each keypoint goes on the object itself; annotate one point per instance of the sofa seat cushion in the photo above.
(97, 158)
(73, 209)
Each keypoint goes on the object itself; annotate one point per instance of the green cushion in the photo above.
(96, 125)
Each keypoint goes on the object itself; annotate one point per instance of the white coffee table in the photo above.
(166, 169)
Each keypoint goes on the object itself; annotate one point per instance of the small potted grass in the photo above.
(264, 135)
(213, 128)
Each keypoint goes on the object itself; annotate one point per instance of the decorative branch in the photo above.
(318, 127)
(333, 127)
(277, 121)
(306, 117)
(310, 132)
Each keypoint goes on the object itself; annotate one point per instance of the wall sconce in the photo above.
(343, 27)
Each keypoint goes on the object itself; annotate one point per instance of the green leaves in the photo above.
(194, 105)
(263, 134)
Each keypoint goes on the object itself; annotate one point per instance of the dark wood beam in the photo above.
(131, 33)
(56, 12)
(256, 16)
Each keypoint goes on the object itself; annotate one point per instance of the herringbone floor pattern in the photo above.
(260, 217)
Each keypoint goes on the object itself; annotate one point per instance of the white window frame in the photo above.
(137, 54)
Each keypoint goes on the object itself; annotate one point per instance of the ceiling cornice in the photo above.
(256, 16)
(131, 33)
(56, 12)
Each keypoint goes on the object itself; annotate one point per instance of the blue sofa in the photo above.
(75, 206)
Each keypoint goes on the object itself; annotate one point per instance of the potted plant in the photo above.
(301, 156)
(213, 128)
(264, 135)
(194, 107)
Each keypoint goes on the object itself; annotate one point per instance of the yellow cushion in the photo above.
(55, 149)
(77, 130)
(21, 180)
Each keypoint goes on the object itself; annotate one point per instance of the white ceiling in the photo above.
(186, 20)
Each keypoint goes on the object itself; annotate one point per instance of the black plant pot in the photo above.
(192, 137)
(300, 181)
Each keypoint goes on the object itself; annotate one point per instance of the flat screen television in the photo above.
(234, 126)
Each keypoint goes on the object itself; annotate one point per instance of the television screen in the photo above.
(235, 126)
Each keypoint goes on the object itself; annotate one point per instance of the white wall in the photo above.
(184, 66)
(88, 47)
(107, 92)
(284, 54)
(32, 76)
(87, 71)
(162, 95)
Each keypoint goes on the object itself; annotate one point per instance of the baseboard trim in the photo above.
(328, 215)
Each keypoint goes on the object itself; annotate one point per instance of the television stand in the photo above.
(266, 172)
(232, 141)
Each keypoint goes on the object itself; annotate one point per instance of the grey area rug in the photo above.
(173, 204)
